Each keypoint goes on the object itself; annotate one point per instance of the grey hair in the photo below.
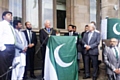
(91, 24)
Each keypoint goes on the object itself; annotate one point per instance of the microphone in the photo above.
(14, 66)
(104, 44)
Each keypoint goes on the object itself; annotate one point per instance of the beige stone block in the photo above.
(79, 16)
(87, 2)
(79, 2)
(87, 17)
(80, 27)
(5, 4)
(83, 9)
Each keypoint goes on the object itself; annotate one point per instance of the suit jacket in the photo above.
(44, 36)
(110, 60)
(82, 34)
(33, 39)
(19, 44)
(93, 43)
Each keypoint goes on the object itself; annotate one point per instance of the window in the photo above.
(32, 12)
(93, 10)
(47, 11)
(15, 6)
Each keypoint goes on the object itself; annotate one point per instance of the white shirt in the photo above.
(6, 34)
(19, 33)
(114, 51)
(29, 35)
(70, 33)
(89, 36)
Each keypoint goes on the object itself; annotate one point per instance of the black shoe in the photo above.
(94, 78)
(86, 77)
(32, 76)
(82, 69)
(25, 78)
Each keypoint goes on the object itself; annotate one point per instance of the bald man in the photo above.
(44, 35)
(91, 41)
(112, 60)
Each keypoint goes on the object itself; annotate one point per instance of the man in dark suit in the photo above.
(86, 30)
(72, 32)
(82, 34)
(112, 60)
(91, 41)
(32, 41)
(44, 35)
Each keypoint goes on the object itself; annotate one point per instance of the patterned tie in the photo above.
(48, 30)
(116, 53)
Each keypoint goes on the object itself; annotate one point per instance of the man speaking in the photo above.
(7, 41)
(44, 35)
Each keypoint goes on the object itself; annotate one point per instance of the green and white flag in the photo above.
(110, 28)
(61, 58)
(113, 28)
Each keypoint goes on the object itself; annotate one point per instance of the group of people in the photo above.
(87, 46)
(17, 48)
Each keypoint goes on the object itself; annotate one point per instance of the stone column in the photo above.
(4, 5)
(78, 13)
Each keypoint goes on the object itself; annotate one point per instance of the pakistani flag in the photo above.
(113, 28)
(61, 58)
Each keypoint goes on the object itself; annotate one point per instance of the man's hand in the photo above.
(31, 45)
(117, 71)
(87, 47)
(25, 49)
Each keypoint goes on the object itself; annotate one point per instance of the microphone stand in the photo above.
(9, 70)
(41, 45)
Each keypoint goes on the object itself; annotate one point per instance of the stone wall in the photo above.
(3, 6)
(78, 13)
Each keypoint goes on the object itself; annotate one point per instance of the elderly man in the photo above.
(91, 41)
(44, 35)
(112, 60)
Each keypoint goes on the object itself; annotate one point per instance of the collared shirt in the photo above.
(70, 33)
(19, 33)
(6, 34)
(89, 36)
(48, 30)
(29, 35)
(114, 51)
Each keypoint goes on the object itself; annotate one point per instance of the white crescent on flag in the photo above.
(57, 57)
(115, 30)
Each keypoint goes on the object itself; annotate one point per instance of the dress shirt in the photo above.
(19, 33)
(48, 30)
(6, 34)
(90, 36)
(29, 35)
(70, 33)
(114, 51)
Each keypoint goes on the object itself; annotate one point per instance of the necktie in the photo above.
(29, 36)
(89, 36)
(48, 30)
(116, 52)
